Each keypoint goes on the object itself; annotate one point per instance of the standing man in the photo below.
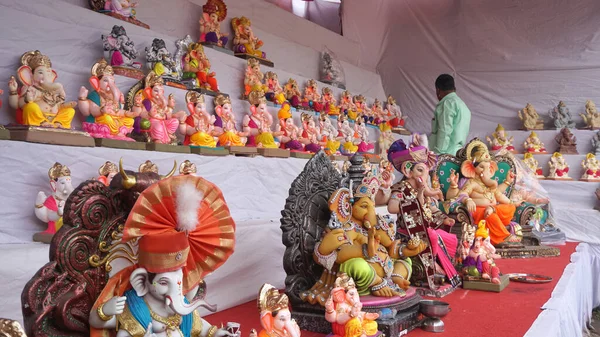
(451, 119)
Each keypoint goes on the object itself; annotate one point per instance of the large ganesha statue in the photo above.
(121, 263)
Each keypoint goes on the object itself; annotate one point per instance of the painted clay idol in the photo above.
(120, 9)
(530, 118)
(361, 108)
(558, 167)
(501, 140)
(121, 53)
(255, 125)
(289, 134)
(292, 93)
(230, 135)
(394, 114)
(377, 112)
(533, 165)
(346, 136)
(343, 310)
(213, 14)
(310, 134)
(479, 263)
(275, 316)
(196, 67)
(347, 105)
(187, 168)
(312, 97)
(386, 138)
(596, 143)
(159, 294)
(40, 101)
(592, 116)
(159, 59)
(107, 172)
(562, 116)
(197, 127)
(49, 209)
(103, 107)
(244, 41)
(360, 129)
(329, 102)
(567, 143)
(591, 168)
(253, 79)
(533, 144)
(274, 90)
(328, 135)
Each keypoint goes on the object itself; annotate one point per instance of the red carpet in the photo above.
(474, 313)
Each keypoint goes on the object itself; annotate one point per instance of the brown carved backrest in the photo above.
(58, 299)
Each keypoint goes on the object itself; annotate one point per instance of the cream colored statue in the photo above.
(386, 139)
(558, 167)
(591, 168)
(533, 144)
(591, 116)
(501, 140)
(533, 165)
(531, 119)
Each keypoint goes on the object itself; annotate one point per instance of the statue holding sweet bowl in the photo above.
(214, 13)
(197, 127)
(591, 116)
(533, 144)
(103, 107)
(386, 139)
(120, 51)
(500, 140)
(40, 101)
(244, 41)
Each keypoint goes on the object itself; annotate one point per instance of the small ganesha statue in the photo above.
(49, 209)
(274, 90)
(107, 172)
(329, 102)
(360, 128)
(567, 142)
(40, 101)
(312, 97)
(533, 144)
(244, 41)
(530, 118)
(562, 116)
(292, 93)
(198, 126)
(394, 114)
(213, 13)
(103, 107)
(275, 315)
(596, 143)
(121, 53)
(196, 67)
(591, 117)
(558, 167)
(159, 59)
(501, 140)
(591, 168)
(253, 78)
(479, 262)
(533, 165)
(343, 310)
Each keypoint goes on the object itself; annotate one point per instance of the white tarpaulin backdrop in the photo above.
(502, 54)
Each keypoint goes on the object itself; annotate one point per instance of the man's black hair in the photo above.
(445, 82)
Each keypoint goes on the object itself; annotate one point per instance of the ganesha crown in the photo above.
(35, 59)
(270, 299)
(102, 68)
(221, 100)
(58, 170)
(152, 79)
(108, 168)
(368, 187)
(257, 97)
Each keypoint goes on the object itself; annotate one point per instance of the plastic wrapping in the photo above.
(331, 70)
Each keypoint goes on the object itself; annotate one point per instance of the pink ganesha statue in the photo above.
(275, 316)
(49, 209)
(343, 310)
(103, 107)
(479, 262)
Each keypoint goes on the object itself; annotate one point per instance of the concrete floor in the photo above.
(595, 323)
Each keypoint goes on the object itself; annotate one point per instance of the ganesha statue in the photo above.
(377, 112)
(121, 9)
(253, 78)
(328, 135)
(347, 105)
(275, 315)
(213, 14)
(196, 67)
(244, 41)
(591, 118)
(360, 129)
(596, 143)
(312, 97)
(292, 93)
(558, 168)
(343, 310)
(197, 127)
(159, 59)
(386, 139)
(310, 134)
(346, 136)
(103, 107)
(484, 197)
(40, 101)
(274, 91)
(567, 143)
(500, 140)
(530, 118)
(394, 114)
(288, 132)
(107, 172)
(533, 165)
(562, 116)
(591, 168)
(49, 209)
(533, 144)
(258, 123)
(479, 263)
(120, 50)
(230, 136)
(329, 102)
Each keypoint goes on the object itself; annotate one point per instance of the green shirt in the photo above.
(450, 125)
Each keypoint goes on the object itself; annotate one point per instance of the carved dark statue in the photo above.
(58, 299)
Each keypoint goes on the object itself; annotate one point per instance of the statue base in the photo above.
(217, 47)
(209, 151)
(126, 19)
(568, 150)
(526, 252)
(558, 178)
(119, 144)
(443, 290)
(43, 237)
(472, 283)
(334, 84)
(301, 154)
(207, 92)
(55, 136)
(312, 317)
(339, 157)
(259, 59)
(590, 180)
(401, 131)
(242, 151)
(4, 134)
(539, 125)
(134, 73)
(167, 148)
(373, 158)
(275, 153)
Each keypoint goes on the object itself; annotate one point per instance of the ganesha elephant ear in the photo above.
(138, 280)
(467, 169)
(339, 204)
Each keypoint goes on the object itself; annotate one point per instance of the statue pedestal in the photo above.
(206, 91)
(119, 144)
(38, 134)
(259, 59)
(209, 151)
(216, 47)
(373, 158)
(300, 154)
(137, 74)
(312, 317)
(270, 152)
(401, 131)
(539, 125)
(590, 180)
(484, 285)
(124, 18)
(568, 149)
(167, 148)
(43, 237)
(339, 157)
(242, 151)
(4, 134)
(443, 290)
(557, 178)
